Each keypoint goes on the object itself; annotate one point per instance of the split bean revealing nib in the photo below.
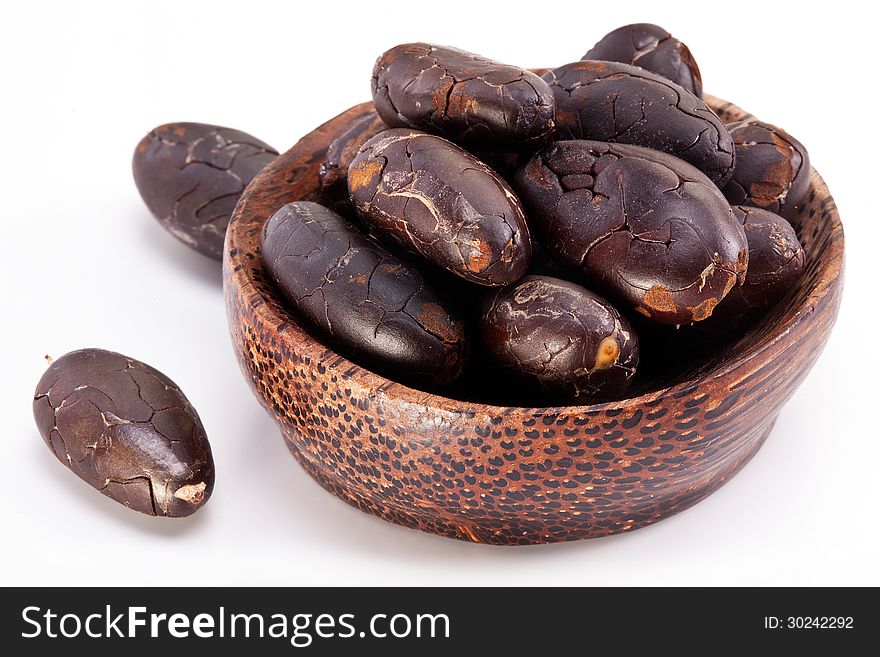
(126, 429)
(772, 168)
(652, 48)
(647, 228)
(613, 102)
(776, 261)
(439, 201)
(569, 342)
(462, 96)
(191, 175)
(372, 304)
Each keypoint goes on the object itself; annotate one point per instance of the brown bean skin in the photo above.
(462, 96)
(648, 229)
(776, 261)
(126, 429)
(619, 103)
(371, 304)
(772, 169)
(191, 175)
(561, 338)
(439, 201)
(652, 48)
(343, 149)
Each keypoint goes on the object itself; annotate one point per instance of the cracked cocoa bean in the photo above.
(776, 261)
(647, 228)
(342, 150)
(652, 48)
(562, 338)
(371, 304)
(619, 103)
(439, 201)
(462, 96)
(191, 175)
(772, 169)
(126, 429)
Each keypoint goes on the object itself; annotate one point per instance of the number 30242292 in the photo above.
(809, 622)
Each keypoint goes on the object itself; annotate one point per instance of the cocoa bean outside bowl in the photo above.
(513, 475)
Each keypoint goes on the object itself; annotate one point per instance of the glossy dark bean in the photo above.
(191, 175)
(462, 96)
(369, 303)
(772, 168)
(613, 102)
(776, 261)
(343, 149)
(647, 228)
(652, 48)
(439, 201)
(561, 337)
(126, 429)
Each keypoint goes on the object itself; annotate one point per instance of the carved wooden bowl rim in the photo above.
(239, 274)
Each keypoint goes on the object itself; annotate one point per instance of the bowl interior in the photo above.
(294, 176)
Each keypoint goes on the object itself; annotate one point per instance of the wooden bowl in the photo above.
(513, 475)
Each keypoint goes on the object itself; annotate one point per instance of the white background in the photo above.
(84, 264)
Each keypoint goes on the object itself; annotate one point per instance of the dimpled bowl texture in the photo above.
(514, 475)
